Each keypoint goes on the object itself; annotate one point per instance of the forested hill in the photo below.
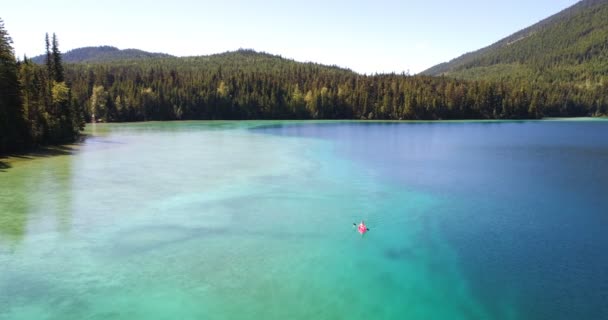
(250, 85)
(103, 53)
(571, 46)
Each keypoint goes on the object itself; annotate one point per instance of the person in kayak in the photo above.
(362, 228)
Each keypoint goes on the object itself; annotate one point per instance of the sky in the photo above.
(365, 36)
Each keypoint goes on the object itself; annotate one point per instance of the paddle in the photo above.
(355, 224)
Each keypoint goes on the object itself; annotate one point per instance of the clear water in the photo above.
(253, 220)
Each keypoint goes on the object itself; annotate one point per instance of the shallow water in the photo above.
(242, 220)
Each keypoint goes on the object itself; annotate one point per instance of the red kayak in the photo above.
(362, 228)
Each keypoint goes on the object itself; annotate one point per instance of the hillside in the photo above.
(570, 46)
(247, 59)
(103, 53)
(242, 84)
(245, 84)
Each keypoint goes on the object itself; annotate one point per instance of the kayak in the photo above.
(362, 229)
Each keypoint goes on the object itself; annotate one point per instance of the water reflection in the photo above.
(14, 208)
(34, 190)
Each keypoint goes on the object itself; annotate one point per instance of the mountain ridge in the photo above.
(103, 53)
(111, 54)
(573, 38)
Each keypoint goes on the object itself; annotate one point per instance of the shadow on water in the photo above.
(402, 253)
(4, 166)
(46, 151)
(41, 152)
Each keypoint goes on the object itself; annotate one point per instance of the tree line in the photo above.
(36, 102)
(250, 85)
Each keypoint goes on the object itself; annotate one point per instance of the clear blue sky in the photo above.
(366, 36)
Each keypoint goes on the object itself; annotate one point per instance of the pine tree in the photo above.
(49, 57)
(57, 66)
(13, 134)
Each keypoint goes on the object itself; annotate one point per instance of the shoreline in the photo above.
(40, 152)
(354, 120)
(71, 147)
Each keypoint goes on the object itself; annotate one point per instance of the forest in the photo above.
(36, 104)
(250, 85)
(570, 46)
(49, 103)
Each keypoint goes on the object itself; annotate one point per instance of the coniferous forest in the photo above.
(250, 85)
(36, 104)
(571, 45)
(48, 102)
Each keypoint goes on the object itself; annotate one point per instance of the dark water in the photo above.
(528, 203)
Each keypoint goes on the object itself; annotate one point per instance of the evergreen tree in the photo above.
(49, 56)
(13, 135)
(57, 66)
(36, 105)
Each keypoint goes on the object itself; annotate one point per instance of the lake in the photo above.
(254, 220)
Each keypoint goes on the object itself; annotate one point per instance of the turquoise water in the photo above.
(253, 220)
